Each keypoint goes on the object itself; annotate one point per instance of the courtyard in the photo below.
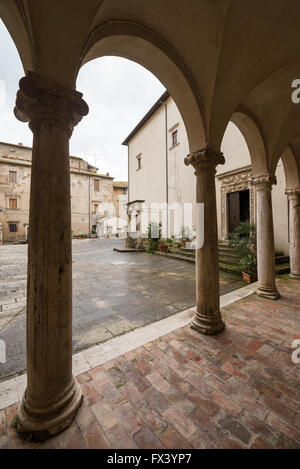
(113, 293)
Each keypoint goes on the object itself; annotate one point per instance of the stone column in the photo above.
(53, 395)
(265, 237)
(294, 229)
(207, 318)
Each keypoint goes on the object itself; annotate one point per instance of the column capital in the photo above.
(40, 101)
(293, 193)
(205, 159)
(264, 182)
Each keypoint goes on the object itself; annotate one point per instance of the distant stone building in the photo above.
(97, 202)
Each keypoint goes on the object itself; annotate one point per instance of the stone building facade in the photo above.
(95, 197)
(158, 177)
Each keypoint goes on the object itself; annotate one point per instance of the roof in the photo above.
(120, 184)
(17, 145)
(11, 160)
(147, 116)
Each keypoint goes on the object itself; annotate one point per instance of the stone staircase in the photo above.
(228, 260)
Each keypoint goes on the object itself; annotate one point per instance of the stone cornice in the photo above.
(40, 101)
(245, 169)
(6, 161)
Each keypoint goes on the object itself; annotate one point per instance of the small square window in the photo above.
(174, 138)
(13, 228)
(95, 207)
(12, 176)
(96, 184)
(13, 203)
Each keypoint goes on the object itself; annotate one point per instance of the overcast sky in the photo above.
(119, 92)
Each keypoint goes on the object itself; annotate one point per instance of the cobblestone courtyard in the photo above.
(113, 293)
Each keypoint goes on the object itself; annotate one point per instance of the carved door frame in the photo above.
(237, 180)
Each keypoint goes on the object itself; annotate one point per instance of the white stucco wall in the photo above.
(149, 183)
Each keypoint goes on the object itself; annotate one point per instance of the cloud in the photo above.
(118, 91)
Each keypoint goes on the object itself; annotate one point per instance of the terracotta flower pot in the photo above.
(249, 277)
(163, 248)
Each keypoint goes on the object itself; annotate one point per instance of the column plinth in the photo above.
(294, 231)
(53, 395)
(265, 237)
(207, 319)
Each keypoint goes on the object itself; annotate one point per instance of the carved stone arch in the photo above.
(134, 42)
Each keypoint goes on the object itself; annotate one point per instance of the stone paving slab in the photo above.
(238, 389)
(113, 293)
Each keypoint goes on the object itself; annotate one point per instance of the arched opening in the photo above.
(234, 192)
(129, 40)
(15, 141)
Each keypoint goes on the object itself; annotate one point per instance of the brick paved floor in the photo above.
(239, 389)
(113, 293)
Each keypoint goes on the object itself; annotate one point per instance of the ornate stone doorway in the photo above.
(237, 199)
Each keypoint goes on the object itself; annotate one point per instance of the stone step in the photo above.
(225, 264)
(178, 257)
(229, 260)
(282, 260)
(224, 247)
(282, 269)
(233, 269)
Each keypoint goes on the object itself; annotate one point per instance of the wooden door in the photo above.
(233, 204)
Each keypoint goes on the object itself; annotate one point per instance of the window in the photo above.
(95, 207)
(96, 184)
(12, 203)
(174, 138)
(12, 176)
(139, 162)
(13, 228)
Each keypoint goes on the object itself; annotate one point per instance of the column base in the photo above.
(267, 292)
(207, 325)
(294, 276)
(40, 420)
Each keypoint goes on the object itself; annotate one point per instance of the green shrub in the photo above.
(243, 241)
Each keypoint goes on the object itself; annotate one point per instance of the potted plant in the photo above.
(249, 268)
(163, 246)
(93, 233)
(243, 240)
(185, 235)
